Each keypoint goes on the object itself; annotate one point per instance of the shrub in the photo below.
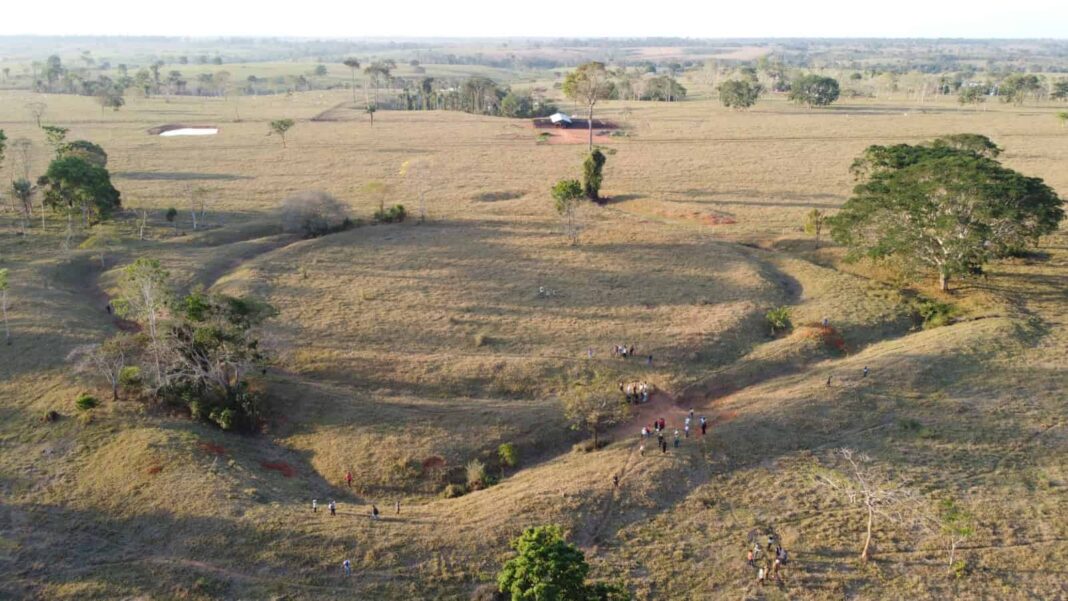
(452, 491)
(314, 213)
(476, 474)
(86, 401)
(936, 314)
(508, 456)
(130, 376)
(592, 174)
(588, 446)
(779, 319)
(224, 418)
(171, 214)
(394, 214)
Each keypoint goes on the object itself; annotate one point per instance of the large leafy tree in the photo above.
(592, 404)
(211, 350)
(588, 84)
(74, 184)
(739, 94)
(814, 90)
(942, 207)
(545, 568)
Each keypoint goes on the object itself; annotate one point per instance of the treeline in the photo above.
(745, 83)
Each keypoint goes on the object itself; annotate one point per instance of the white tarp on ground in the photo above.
(192, 131)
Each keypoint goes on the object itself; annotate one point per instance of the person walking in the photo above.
(749, 559)
(760, 576)
(615, 480)
(315, 506)
(346, 567)
(398, 506)
(641, 449)
(677, 438)
(333, 507)
(865, 371)
(704, 425)
(649, 361)
(348, 478)
(663, 446)
(686, 427)
(829, 381)
(374, 511)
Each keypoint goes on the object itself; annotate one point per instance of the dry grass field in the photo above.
(399, 343)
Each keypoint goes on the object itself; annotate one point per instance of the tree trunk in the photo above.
(952, 552)
(943, 281)
(590, 123)
(594, 438)
(864, 554)
(7, 329)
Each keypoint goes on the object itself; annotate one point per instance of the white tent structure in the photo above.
(560, 119)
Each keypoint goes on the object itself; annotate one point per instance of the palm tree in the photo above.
(354, 65)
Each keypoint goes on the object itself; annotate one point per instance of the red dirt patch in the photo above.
(281, 467)
(211, 448)
(153, 470)
(825, 334)
(578, 133)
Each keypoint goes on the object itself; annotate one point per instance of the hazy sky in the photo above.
(573, 18)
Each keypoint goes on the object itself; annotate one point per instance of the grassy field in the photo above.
(400, 343)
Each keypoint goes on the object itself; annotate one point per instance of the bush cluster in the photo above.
(394, 214)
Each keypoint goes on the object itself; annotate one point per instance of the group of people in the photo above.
(659, 429)
(636, 392)
(768, 561)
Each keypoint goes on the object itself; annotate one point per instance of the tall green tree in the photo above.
(739, 94)
(145, 296)
(73, 184)
(56, 136)
(942, 208)
(281, 127)
(593, 174)
(546, 568)
(814, 90)
(588, 84)
(567, 193)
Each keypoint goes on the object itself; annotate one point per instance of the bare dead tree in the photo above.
(863, 484)
(141, 224)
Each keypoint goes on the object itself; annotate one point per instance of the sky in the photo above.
(575, 18)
